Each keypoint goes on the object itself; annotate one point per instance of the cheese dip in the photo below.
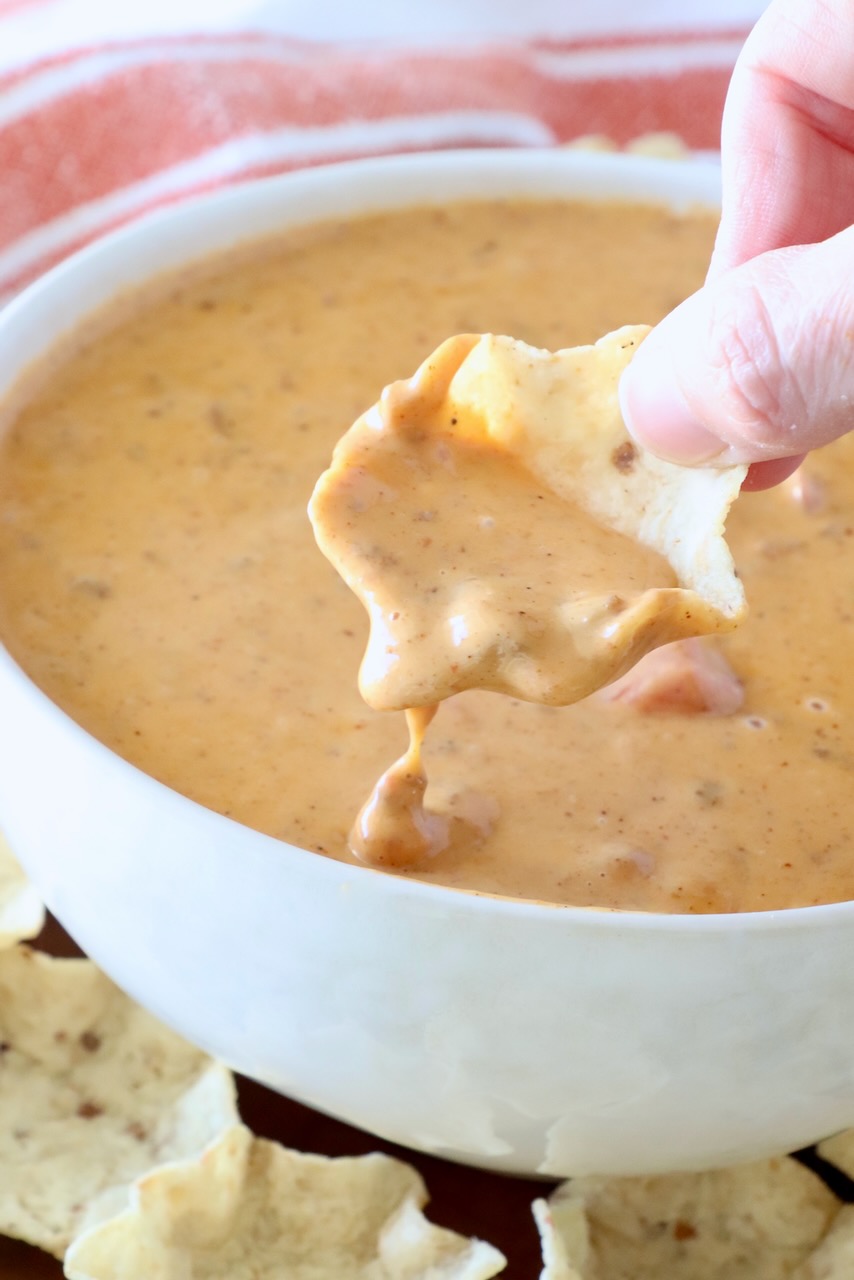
(159, 578)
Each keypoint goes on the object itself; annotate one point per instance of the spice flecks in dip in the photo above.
(159, 578)
(504, 533)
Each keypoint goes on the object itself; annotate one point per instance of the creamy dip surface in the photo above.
(159, 578)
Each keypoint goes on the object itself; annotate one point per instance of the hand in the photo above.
(758, 366)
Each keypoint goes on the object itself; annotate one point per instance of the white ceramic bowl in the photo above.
(512, 1035)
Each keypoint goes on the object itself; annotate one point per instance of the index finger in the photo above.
(788, 132)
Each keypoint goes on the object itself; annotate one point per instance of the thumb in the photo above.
(757, 365)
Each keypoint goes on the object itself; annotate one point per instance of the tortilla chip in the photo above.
(21, 908)
(591, 142)
(564, 1236)
(253, 1210)
(557, 414)
(93, 1092)
(659, 146)
(759, 1221)
(839, 1151)
(834, 1257)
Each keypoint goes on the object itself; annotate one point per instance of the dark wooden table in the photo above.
(494, 1207)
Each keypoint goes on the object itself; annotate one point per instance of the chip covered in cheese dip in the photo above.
(505, 533)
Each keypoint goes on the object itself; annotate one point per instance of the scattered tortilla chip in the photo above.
(21, 908)
(658, 146)
(591, 142)
(564, 1236)
(839, 1150)
(504, 532)
(758, 1221)
(252, 1210)
(834, 1257)
(93, 1092)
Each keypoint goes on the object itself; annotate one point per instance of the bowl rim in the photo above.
(617, 170)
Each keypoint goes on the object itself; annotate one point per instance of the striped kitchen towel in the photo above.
(95, 132)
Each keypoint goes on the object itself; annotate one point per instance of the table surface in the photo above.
(492, 1206)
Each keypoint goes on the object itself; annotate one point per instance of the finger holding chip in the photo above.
(249, 1209)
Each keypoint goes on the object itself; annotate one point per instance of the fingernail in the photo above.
(659, 418)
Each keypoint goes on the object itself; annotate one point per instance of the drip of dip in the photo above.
(394, 828)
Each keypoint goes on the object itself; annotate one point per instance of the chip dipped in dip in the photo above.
(504, 533)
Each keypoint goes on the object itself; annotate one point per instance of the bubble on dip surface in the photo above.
(159, 579)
